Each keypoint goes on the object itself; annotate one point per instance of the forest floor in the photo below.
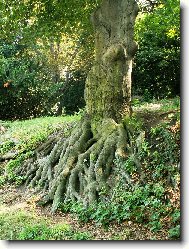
(18, 210)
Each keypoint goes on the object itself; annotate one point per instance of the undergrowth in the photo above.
(25, 226)
(151, 198)
(154, 199)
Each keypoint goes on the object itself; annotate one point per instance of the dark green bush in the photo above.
(26, 86)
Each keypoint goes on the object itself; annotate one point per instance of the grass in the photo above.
(23, 137)
(44, 126)
(22, 225)
(157, 105)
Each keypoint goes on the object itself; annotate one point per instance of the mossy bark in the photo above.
(79, 166)
(108, 85)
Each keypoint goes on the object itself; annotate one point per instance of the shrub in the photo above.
(26, 85)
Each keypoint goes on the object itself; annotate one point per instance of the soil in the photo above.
(14, 199)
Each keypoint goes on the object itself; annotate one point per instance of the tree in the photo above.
(59, 43)
(24, 82)
(157, 71)
(80, 166)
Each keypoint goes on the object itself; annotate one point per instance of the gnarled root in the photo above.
(79, 166)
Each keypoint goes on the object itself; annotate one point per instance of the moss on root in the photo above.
(77, 167)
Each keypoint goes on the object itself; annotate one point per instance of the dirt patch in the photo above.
(13, 199)
(152, 117)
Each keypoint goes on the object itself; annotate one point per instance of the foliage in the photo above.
(45, 18)
(33, 81)
(32, 73)
(174, 232)
(25, 85)
(157, 63)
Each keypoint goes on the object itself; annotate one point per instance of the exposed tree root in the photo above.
(79, 166)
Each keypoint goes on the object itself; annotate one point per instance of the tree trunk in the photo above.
(80, 166)
(108, 86)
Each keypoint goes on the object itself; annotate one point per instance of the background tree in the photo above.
(38, 66)
(24, 82)
(157, 70)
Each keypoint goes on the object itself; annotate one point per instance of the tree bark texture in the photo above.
(108, 85)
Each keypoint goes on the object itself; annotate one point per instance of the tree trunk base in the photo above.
(78, 167)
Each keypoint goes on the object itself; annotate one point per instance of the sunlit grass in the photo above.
(22, 128)
(157, 105)
(23, 225)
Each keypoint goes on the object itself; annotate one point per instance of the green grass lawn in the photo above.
(25, 130)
